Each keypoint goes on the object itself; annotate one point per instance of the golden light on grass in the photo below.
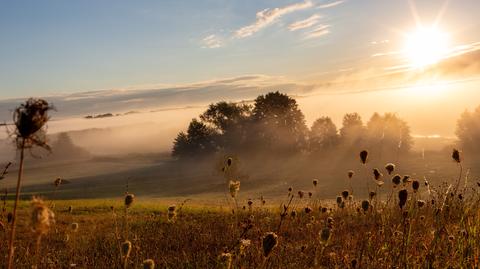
(425, 46)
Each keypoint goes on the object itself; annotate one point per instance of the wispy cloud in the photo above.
(269, 16)
(309, 22)
(319, 31)
(332, 4)
(212, 41)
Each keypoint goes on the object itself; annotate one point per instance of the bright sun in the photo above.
(425, 46)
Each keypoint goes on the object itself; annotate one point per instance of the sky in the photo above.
(99, 56)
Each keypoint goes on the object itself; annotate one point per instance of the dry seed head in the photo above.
(57, 182)
(42, 218)
(74, 227)
(376, 174)
(364, 156)
(29, 118)
(415, 185)
(293, 214)
(310, 194)
(390, 167)
(229, 161)
(129, 198)
(372, 194)
(339, 200)
(269, 242)
(345, 194)
(350, 174)
(456, 156)
(126, 248)
(325, 235)
(396, 180)
(402, 198)
(406, 179)
(225, 260)
(148, 264)
(308, 210)
(301, 194)
(172, 213)
(420, 203)
(365, 205)
(315, 182)
(234, 188)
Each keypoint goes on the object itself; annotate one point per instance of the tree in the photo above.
(468, 130)
(278, 123)
(352, 130)
(323, 135)
(200, 139)
(389, 132)
(229, 120)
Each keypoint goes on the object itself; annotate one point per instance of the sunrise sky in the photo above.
(336, 56)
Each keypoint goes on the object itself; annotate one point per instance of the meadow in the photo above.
(415, 225)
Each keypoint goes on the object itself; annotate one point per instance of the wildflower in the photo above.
(315, 182)
(42, 217)
(350, 174)
(365, 205)
(129, 200)
(402, 197)
(415, 185)
(325, 235)
(234, 187)
(345, 194)
(270, 241)
(396, 180)
(364, 156)
(148, 264)
(126, 248)
(456, 155)
(225, 260)
(390, 167)
(172, 213)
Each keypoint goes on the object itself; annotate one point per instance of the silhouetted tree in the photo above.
(352, 130)
(389, 134)
(200, 139)
(323, 135)
(63, 147)
(229, 120)
(278, 124)
(468, 130)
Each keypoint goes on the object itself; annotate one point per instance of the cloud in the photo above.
(329, 5)
(319, 31)
(309, 22)
(269, 16)
(212, 42)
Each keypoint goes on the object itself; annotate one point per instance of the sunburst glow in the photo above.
(426, 46)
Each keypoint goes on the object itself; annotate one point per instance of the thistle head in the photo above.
(30, 118)
(269, 242)
(363, 156)
(365, 205)
(456, 156)
(396, 180)
(402, 198)
(415, 185)
(129, 198)
(390, 167)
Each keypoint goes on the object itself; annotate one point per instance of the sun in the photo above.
(425, 46)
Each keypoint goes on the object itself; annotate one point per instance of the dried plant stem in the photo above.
(11, 249)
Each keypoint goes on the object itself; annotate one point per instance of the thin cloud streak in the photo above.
(269, 16)
(306, 23)
(319, 31)
(212, 42)
(329, 5)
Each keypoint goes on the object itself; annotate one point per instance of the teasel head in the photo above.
(350, 174)
(402, 198)
(365, 205)
(74, 227)
(456, 156)
(325, 235)
(301, 194)
(390, 167)
(364, 156)
(225, 260)
(234, 188)
(396, 180)
(42, 218)
(129, 198)
(376, 174)
(148, 264)
(415, 185)
(345, 194)
(30, 119)
(269, 242)
(126, 248)
(315, 182)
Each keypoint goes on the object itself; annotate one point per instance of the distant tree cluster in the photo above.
(274, 124)
(468, 130)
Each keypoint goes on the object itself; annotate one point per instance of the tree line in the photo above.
(275, 125)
